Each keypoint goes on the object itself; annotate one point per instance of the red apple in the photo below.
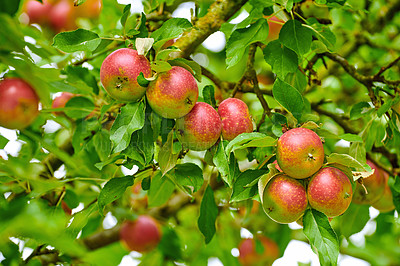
(248, 255)
(329, 191)
(89, 9)
(141, 235)
(62, 16)
(300, 153)
(174, 93)
(119, 72)
(60, 101)
(38, 12)
(200, 128)
(284, 199)
(385, 203)
(235, 118)
(274, 28)
(18, 103)
(372, 189)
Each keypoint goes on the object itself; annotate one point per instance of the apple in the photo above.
(284, 199)
(274, 28)
(119, 72)
(200, 128)
(89, 9)
(62, 16)
(372, 189)
(18, 103)
(329, 191)
(385, 203)
(60, 101)
(248, 254)
(138, 198)
(141, 235)
(38, 12)
(173, 94)
(300, 153)
(235, 118)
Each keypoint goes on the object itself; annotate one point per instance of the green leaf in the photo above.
(221, 161)
(102, 144)
(170, 244)
(78, 75)
(170, 29)
(189, 65)
(128, 121)
(347, 160)
(209, 95)
(242, 38)
(208, 215)
(322, 237)
(160, 66)
(358, 152)
(351, 137)
(323, 33)
(296, 37)
(288, 97)
(9, 7)
(240, 190)
(245, 140)
(164, 54)
(161, 189)
(3, 142)
(79, 107)
(282, 59)
(83, 133)
(78, 40)
(188, 175)
(359, 110)
(113, 190)
(354, 219)
(144, 82)
(385, 107)
(125, 15)
(166, 156)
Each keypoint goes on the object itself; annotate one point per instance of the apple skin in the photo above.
(274, 28)
(141, 235)
(119, 72)
(62, 16)
(385, 203)
(18, 103)
(173, 94)
(235, 118)
(284, 199)
(60, 101)
(374, 184)
(248, 255)
(89, 9)
(38, 12)
(329, 191)
(200, 128)
(300, 153)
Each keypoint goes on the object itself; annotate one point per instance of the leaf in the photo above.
(79, 107)
(78, 40)
(385, 107)
(221, 161)
(288, 97)
(208, 215)
(359, 110)
(164, 54)
(170, 29)
(143, 45)
(254, 139)
(296, 37)
(242, 38)
(189, 65)
(240, 190)
(113, 190)
(161, 189)
(351, 137)
(354, 219)
(323, 33)
(166, 157)
(81, 75)
(160, 66)
(322, 237)
(282, 59)
(102, 144)
(128, 121)
(3, 142)
(170, 244)
(189, 175)
(358, 152)
(298, 80)
(125, 15)
(209, 95)
(347, 160)
(9, 7)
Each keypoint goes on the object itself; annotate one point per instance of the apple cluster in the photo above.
(173, 94)
(300, 157)
(60, 14)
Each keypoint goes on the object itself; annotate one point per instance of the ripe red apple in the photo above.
(300, 153)
(18, 103)
(119, 72)
(235, 118)
(284, 199)
(274, 28)
(385, 203)
(329, 191)
(141, 235)
(200, 128)
(62, 16)
(173, 94)
(60, 101)
(38, 12)
(373, 189)
(248, 255)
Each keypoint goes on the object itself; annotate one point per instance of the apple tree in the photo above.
(126, 130)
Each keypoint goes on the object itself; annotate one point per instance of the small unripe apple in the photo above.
(18, 103)
(385, 203)
(62, 17)
(60, 101)
(300, 153)
(173, 94)
(372, 189)
(200, 128)
(284, 199)
(141, 235)
(119, 72)
(235, 118)
(38, 12)
(329, 191)
(249, 256)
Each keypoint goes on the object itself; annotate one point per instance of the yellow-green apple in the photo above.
(249, 256)
(18, 103)
(284, 199)
(329, 191)
(200, 128)
(119, 72)
(385, 203)
(173, 94)
(235, 118)
(372, 187)
(300, 153)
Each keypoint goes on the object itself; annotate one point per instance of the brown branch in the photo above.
(383, 69)
(102, 238)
